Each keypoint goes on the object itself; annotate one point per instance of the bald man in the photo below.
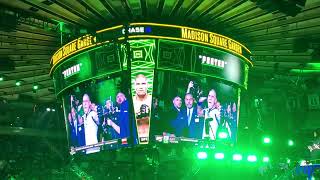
(211, 116)
(142, 97)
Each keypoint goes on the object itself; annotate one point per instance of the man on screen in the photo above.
(142, 106)
(189, 123)
(211, 116)
(142, 97)
(123, 115)
(91, 122)
(172, 115)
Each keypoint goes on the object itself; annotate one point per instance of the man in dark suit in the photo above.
(190, 125)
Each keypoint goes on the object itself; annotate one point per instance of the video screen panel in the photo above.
(192, 106)
(97, 115)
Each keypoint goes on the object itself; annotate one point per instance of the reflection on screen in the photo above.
(97, 116)
(193, 107)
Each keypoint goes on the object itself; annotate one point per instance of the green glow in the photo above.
(204, 46)
(18, 83)
(252, 158)
(35, 87)
(198, 74)
(313, 65)
(107, 90)
(288, 160)
(202, 155)
(290, 142)
(79, 82)
(237, 157)
(61, 24)
(219, 156)
(266, 140)
(86, 67)
(246, 72)
(265, 159)
(60, 63)
(1, 78)
(305, 71)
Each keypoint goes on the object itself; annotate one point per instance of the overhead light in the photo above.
(18, 83)
(1, 78)
(48, 109)
(53, 110)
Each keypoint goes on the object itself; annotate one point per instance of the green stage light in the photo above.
(1, 78)
(237, 157)
(202, 155)
(35, 87)
(265, 159)
(290, 142)
(266, 140)
(219, 155)
(223, 135)
(18, 83)
(252, 158)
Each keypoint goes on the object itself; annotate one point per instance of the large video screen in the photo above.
(191, 106)
(98, 115)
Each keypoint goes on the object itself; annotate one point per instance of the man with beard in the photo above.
(142, 107)
(91, 122)
(211, 116)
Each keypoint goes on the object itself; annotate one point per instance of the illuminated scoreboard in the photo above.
(146, 82)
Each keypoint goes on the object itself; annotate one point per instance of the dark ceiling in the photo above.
(282, 35)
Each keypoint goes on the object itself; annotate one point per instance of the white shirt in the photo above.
(91, 130)
(213, 125)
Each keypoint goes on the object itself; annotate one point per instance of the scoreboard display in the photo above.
(145, 83)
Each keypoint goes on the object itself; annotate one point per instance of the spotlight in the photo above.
(265, 159)
(237, 157)
(219, 155)
(252, 158)
(1, 78)
(35, 87)
(290, 142)
(48, 109)
(202, 155)
(53, 110)
(18, 83)
(266, 140)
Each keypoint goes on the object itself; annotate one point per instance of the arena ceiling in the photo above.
(284, 36)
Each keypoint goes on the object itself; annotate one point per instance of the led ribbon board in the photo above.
(193, 35)
(90, 64)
